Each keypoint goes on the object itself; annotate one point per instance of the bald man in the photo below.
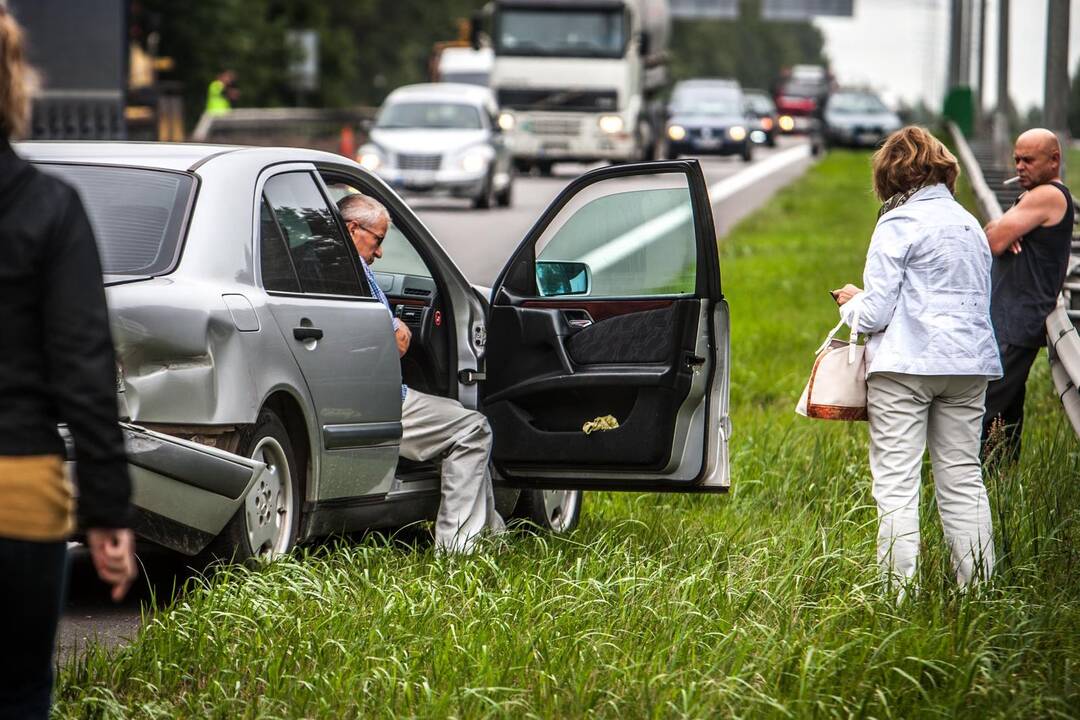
(1030, 244)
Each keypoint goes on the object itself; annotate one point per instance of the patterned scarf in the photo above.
(898, 199)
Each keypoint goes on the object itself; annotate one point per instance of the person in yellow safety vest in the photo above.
(221, 93)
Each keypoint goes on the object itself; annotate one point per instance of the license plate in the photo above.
(868, 138)
(550, 147)
(708, 143)
(418, 181)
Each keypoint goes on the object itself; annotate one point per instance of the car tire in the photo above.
(770, 140)
(268, 521)
(486, 200)
(545, 167)
(506, 196)
(747, 154)
(552, 511)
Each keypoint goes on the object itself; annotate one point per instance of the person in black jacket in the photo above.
(57, 365)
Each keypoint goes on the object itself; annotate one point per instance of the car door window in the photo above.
(323, 262)
(278, 273)
(622, 237)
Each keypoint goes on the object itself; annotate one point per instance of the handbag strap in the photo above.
(853, 337)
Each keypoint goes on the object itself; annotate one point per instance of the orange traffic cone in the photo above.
(347, 142)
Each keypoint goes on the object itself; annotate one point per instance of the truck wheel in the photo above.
(268, 521)
(545, 166)
(554, 511)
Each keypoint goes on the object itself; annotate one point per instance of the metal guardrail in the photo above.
(330, 129)
(1063, 340)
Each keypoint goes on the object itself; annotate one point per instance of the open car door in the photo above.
(612, 306)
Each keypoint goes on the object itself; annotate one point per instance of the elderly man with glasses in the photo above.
(433, 427)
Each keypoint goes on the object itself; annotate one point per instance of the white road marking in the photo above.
(634, 240)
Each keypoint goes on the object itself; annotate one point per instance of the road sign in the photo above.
(805, 9)
(705, 9)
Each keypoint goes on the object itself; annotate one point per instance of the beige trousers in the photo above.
(437, 428)
(907, 413)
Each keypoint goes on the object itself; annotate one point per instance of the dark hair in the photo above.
(912, 157)
(17, 78)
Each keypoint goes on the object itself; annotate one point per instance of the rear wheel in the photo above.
(266, 524)
(554, 511)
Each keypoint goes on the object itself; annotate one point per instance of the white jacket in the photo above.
(926, 291)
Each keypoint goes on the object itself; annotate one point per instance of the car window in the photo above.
(278, 272)
(429, 115)
(136, 214)
(318, 251)
(622, 237)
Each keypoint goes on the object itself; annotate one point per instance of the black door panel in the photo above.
(557, 376)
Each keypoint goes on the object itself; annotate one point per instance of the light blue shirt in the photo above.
(395, 321)
(926, 291)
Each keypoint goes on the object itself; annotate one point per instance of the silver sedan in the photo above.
(258, 373)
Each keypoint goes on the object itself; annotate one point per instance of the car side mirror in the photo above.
(563, 278)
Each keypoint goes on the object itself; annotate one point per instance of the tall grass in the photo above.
(764, 603)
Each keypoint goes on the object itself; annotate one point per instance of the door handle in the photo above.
(307, 333)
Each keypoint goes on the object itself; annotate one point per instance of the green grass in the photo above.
(764, 603)
(1072, 166)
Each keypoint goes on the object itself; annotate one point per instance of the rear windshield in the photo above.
(137, 214)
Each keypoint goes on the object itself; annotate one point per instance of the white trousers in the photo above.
(438, 428)
(907, 413)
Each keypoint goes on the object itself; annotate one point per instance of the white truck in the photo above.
(580, 80)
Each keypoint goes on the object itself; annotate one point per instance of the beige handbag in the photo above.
(837, 386)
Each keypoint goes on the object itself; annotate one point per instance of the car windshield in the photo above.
(856, 103)
(760, 104)
(707, 101)
(136, 214)
(430, 115)
(561, 31)
(804, 89)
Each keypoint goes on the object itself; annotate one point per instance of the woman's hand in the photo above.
(846, 293)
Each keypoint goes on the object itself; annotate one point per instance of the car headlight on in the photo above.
(737, 132)
(786, 123)
(474, 161)
(611, 124)
(676, 132)
(369, 159)
(506, 121)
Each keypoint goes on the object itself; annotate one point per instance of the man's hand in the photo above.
(403, 335)
(113, 553)
(846, 293)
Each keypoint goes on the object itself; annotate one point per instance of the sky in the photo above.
(900, 48)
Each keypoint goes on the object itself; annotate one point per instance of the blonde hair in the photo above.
(18, 81)
(911, 157)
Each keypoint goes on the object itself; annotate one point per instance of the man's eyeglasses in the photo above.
(378, 238)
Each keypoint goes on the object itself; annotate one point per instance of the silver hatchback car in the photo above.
(442, 139)
(259, 375)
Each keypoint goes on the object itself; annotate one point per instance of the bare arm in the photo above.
(1039, 206)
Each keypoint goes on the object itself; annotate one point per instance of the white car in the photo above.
(441, 139)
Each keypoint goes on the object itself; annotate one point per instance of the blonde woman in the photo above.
(930, 354)
(56, 365)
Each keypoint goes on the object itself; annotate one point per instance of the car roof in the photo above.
(459, 92)
(184, 157)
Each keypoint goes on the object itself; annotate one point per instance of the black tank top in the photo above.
(1026, 286)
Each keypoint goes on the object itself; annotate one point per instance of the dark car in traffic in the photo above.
(708, 117)
(858, 118)
(763, 117)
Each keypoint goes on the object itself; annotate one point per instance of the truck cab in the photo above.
(579, 80)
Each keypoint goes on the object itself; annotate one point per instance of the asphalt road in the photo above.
(480, 241)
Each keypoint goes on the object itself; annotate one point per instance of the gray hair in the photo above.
(363, 209)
